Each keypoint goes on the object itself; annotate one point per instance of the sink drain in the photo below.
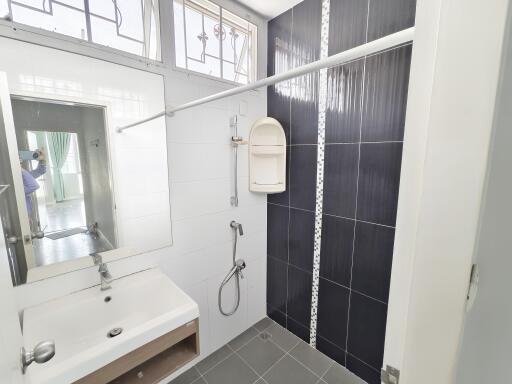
(114, 332)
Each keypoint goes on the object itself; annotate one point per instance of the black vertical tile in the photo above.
(336, 249)
(276, 284)
(367, 329)
(385, 95)
(347, 24)
(373, 255)
(303, 176)
(299, 295)
(298, 329)
(390, 16)
(340, 179)
(364, 371)
(333, 312)
(279, 60)
(304, 89)
(276, 315)
(282, 198)
(379, 179)
(329, 349)
(277, 231)
(343, 113)
(301, 243)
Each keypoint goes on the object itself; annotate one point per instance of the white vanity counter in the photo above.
(146, 305)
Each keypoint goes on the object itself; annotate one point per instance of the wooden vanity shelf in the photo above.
(152, 362)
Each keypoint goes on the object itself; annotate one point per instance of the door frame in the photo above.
(10, 134)
(452, 91)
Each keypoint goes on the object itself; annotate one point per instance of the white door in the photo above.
(14, 215)
(11, 339)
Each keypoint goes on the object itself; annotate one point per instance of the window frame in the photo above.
(11, 29)
(254, 48)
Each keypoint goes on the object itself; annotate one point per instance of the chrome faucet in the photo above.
(105, 276)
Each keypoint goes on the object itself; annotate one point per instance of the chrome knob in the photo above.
(41, 353)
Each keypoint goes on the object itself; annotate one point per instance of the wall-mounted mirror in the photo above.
(60, 206)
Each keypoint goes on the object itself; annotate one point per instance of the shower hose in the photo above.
(236, 272)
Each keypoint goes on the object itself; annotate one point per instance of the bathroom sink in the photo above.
(92, 328)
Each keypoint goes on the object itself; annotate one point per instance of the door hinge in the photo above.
(390, 375)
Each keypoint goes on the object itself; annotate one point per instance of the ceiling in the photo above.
(269, 8)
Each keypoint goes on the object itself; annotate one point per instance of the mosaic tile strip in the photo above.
(322, 106)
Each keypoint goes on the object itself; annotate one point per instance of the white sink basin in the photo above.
(146, 305)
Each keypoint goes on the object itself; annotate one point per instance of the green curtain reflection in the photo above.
(58, 143)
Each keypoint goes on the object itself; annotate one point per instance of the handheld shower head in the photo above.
(237, 227)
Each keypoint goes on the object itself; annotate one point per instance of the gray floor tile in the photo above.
(187, 377)
(260, 354)
(282, 337)
(288, 370)
(212, 360)
(311, 358)
(243, 338)
(263, 324)
(261, 381)
(199, 381)
(338, 374)
(232, 370)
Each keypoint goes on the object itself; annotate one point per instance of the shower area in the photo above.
(330, 235)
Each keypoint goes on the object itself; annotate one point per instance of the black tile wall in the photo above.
(277, 232)
(299, 295)
(386, 84)
(379, 178)
(302, 225)
(363, 370)
(343, 114)
(349, 28)
(373, 254)
(303, 176)
(365, 118)
(367, 329)
(277, 281)
(279, 60)
(333, 302)
(304, 89)
(298, 329)
(332, 350)
(389, 16)
(336, 249)
(340, 179)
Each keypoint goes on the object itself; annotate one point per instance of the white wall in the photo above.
(485, 348)
(200, 167)
(446, 205)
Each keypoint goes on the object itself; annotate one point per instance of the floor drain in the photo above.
(107, 299)
(265, 335)
(114, 332)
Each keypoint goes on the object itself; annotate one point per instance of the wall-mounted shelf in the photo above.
(267, 156)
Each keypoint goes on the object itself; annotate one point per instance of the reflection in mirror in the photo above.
(66, 202)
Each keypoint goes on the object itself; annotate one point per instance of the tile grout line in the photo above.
(363, 82)
(332, 215)
(322, 107)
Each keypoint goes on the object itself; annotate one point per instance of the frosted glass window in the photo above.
(211, 40)
(128, 25)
